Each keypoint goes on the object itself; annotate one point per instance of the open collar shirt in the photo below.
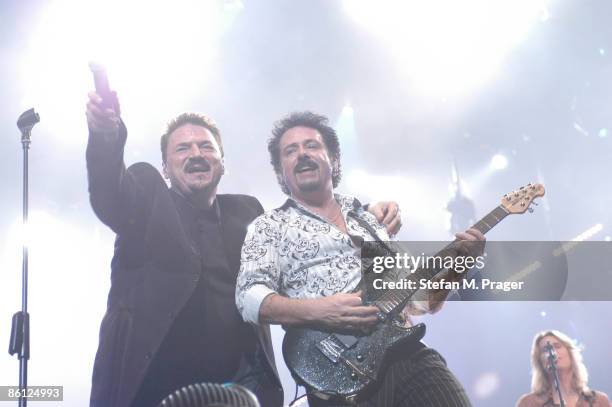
(298, 254)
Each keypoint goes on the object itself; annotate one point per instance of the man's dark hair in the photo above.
(313, 121)
(192, 118)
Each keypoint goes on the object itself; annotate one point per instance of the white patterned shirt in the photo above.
(298, 254)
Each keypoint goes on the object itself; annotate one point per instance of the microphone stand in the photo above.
(552, 366)
(20, 328)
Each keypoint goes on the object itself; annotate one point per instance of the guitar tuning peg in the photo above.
(535, 203)
(530, 209)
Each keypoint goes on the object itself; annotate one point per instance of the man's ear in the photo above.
(165, 171)
(222, 166)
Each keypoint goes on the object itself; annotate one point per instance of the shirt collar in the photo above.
(185, 204)
(347, 203)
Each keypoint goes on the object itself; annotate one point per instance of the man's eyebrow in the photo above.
(188, 143)
(289, 145)
(310, 140)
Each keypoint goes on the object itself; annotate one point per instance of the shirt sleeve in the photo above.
(121, 198)
(259, 274)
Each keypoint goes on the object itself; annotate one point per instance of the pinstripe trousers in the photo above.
(421, 379)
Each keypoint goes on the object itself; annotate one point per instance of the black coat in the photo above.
(155, 269)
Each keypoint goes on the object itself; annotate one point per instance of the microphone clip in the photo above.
(26, 122)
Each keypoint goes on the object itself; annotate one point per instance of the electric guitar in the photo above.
(349, 367)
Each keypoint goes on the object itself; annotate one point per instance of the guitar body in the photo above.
(342, 367)
(349, 368)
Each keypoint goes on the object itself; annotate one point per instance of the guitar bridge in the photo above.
(334, 346)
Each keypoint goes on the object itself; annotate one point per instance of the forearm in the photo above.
(437, 297)
(277, 309)
(342, 311)
(120, 197)
(105, 165)
(105, 172)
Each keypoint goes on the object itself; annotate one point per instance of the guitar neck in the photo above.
(392, 299)
(491, 219)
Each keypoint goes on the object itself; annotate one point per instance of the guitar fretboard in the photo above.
(390, 300)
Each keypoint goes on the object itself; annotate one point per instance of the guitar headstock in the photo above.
(520, 200)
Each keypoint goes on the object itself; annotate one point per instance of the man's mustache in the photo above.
(197, 164)
(305, 164)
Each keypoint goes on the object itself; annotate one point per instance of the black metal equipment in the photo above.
(20, 329)
(552, 366)
(211, 395)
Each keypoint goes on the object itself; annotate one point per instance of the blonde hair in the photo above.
(539, 377)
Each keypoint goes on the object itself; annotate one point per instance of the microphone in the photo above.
(552, 366)
(552, 355)
(27, 120)
(109, 98)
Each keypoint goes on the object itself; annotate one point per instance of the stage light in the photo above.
(449, 47)
(587, 234)
(345, 127)
(347, 110)
(499, 162)
(68, 284)
(486, 385)
(157, 54)
(603, 133)
(581, 129)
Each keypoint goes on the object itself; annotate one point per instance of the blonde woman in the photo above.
(572, 373)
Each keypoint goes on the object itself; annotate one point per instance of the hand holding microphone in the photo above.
(103, 107)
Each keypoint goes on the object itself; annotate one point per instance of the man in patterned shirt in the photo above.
(301, 262)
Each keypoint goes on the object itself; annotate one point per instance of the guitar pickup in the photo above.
(334, 345)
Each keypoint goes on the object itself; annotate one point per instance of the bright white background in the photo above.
(420, 92)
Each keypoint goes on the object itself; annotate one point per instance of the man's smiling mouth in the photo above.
(199, 167)
(300, 168)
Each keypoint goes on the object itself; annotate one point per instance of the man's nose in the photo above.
(303, 152)
(194, 151)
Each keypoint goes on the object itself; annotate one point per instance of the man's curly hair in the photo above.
(313, 121)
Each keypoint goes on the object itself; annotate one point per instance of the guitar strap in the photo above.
(372, 231)
(385, 246)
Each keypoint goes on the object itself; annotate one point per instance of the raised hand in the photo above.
(99, 119)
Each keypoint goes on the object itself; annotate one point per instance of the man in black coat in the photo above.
(171, 319)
